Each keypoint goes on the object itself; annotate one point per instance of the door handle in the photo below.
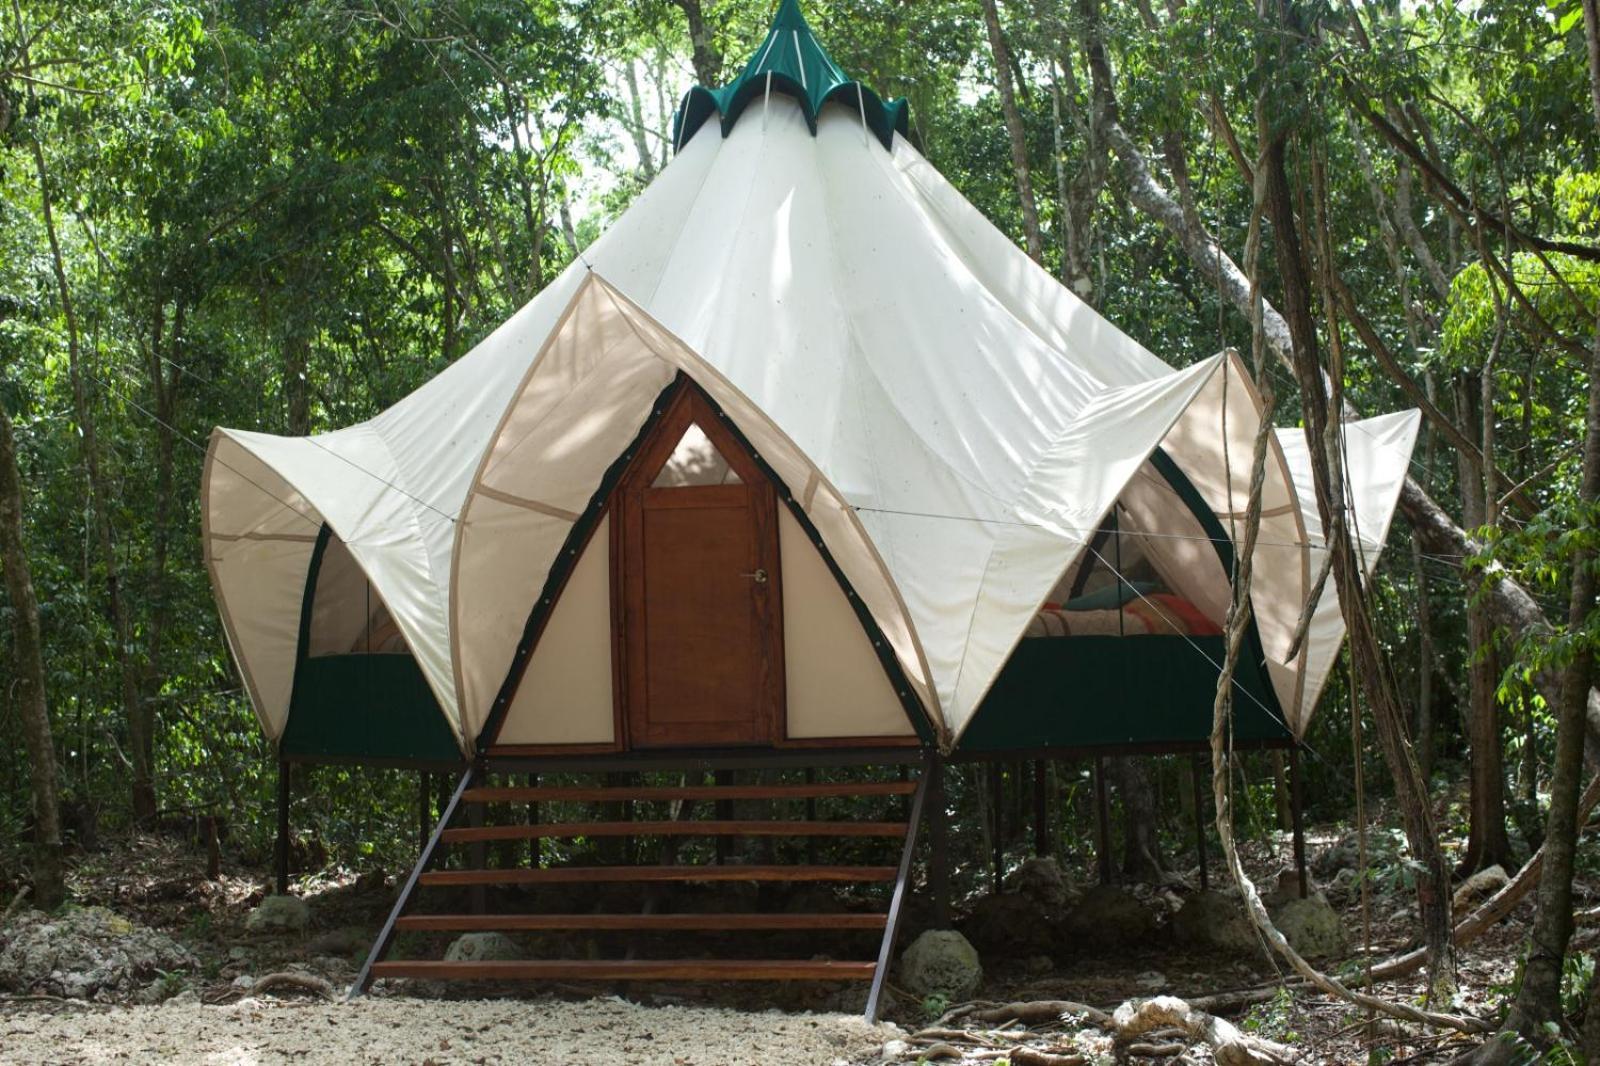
(758, 576)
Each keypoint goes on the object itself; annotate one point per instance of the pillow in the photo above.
(1112, 597)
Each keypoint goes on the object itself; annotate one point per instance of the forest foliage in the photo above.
(285, 216)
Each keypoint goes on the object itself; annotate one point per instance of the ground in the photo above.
(212, 1016)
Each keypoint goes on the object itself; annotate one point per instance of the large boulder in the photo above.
(1108, 916)
(1217, 920)
(482, 947)
(1012, 924)
(1479, 887)
(1312, 927)
(279, 914)
(88, 953)
(1041, 880)
(941, 962)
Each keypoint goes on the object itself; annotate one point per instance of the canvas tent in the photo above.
(948, 430)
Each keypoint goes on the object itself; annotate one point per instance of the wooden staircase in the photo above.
(515, 839)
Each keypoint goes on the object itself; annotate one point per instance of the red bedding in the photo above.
(1156, 613)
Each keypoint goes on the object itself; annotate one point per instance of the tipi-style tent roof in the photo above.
(954, 423)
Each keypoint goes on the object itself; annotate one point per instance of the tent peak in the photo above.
(792, 61)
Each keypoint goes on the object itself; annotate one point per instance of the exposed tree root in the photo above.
(15, 905)
(1229, 1045)
(303, 982)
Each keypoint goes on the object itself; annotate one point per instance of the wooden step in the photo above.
(631, 970)
(651, 793)
(568, 875)
(756, 828)
(645, 922)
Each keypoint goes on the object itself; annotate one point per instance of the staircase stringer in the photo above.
(385, 940)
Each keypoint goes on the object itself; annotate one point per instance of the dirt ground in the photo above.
(162, 884)
(601, 1032)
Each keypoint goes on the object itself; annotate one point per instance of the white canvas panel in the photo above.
(566, 694)
(834, 684)
(1377, 455)
(259, 536)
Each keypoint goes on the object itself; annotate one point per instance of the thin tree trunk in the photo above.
(1141, 842)
(143, 787)
(641, 142)
(48, 885)
(1321, 420)
(1424, 740)
(1014, 132)
(1538, 1002)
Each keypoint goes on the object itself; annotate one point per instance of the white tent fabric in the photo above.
(956, 421)
(1377, 454)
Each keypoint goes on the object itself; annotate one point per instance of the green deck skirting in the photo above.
(366, 707)
(1067, 692)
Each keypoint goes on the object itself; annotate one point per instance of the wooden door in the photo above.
(699, 620)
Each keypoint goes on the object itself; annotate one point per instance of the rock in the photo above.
(279, 914)
(1108, 916)
(86, 953)
(238, 954)
(1480, 886)
(1312, 927)
(1343, 854)
(1345, 887)
(482, 947)
(1040, 880)
(1285, 887)
(941, 962)
(1038, 965)
(346, 941)
(244, 982)
(894, 1051)
(1012, 924)
(1215, 920)
(1151, 980)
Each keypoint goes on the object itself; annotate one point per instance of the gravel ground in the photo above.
(436, 1032)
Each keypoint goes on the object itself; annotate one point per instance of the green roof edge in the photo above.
(790, 60)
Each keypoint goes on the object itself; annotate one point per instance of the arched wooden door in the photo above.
(697, 612)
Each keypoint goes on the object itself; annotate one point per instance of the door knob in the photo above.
(758, 576)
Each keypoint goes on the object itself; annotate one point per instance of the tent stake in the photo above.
(939, 843)
(280, 856)
(1297, 802)
(902, 878)
(1200, 825)
(380, 947)
(1102, 814)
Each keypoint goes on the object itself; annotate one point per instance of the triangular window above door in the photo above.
(695, 461)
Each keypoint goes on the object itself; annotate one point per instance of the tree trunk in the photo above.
(1424, 738)
(707, 61)
(143, 788)
(1538, 1002)
(1141, 842)
(1014, 131)
(48, 886)
(1320, 413)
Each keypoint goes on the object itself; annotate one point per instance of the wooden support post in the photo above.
(997, 798)
(901, 881)
(1041, 809)
(422, 809)
(1297, 801)
(535, 848)
(724, 810)
(811, 816)
(479, 853)
(1200, 825)
(280, 855)
(1102, 817)
(380, 947)
(938, 843)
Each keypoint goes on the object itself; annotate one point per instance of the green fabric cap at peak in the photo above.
(790, 60)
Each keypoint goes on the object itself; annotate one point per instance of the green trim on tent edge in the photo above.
(790, 60)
